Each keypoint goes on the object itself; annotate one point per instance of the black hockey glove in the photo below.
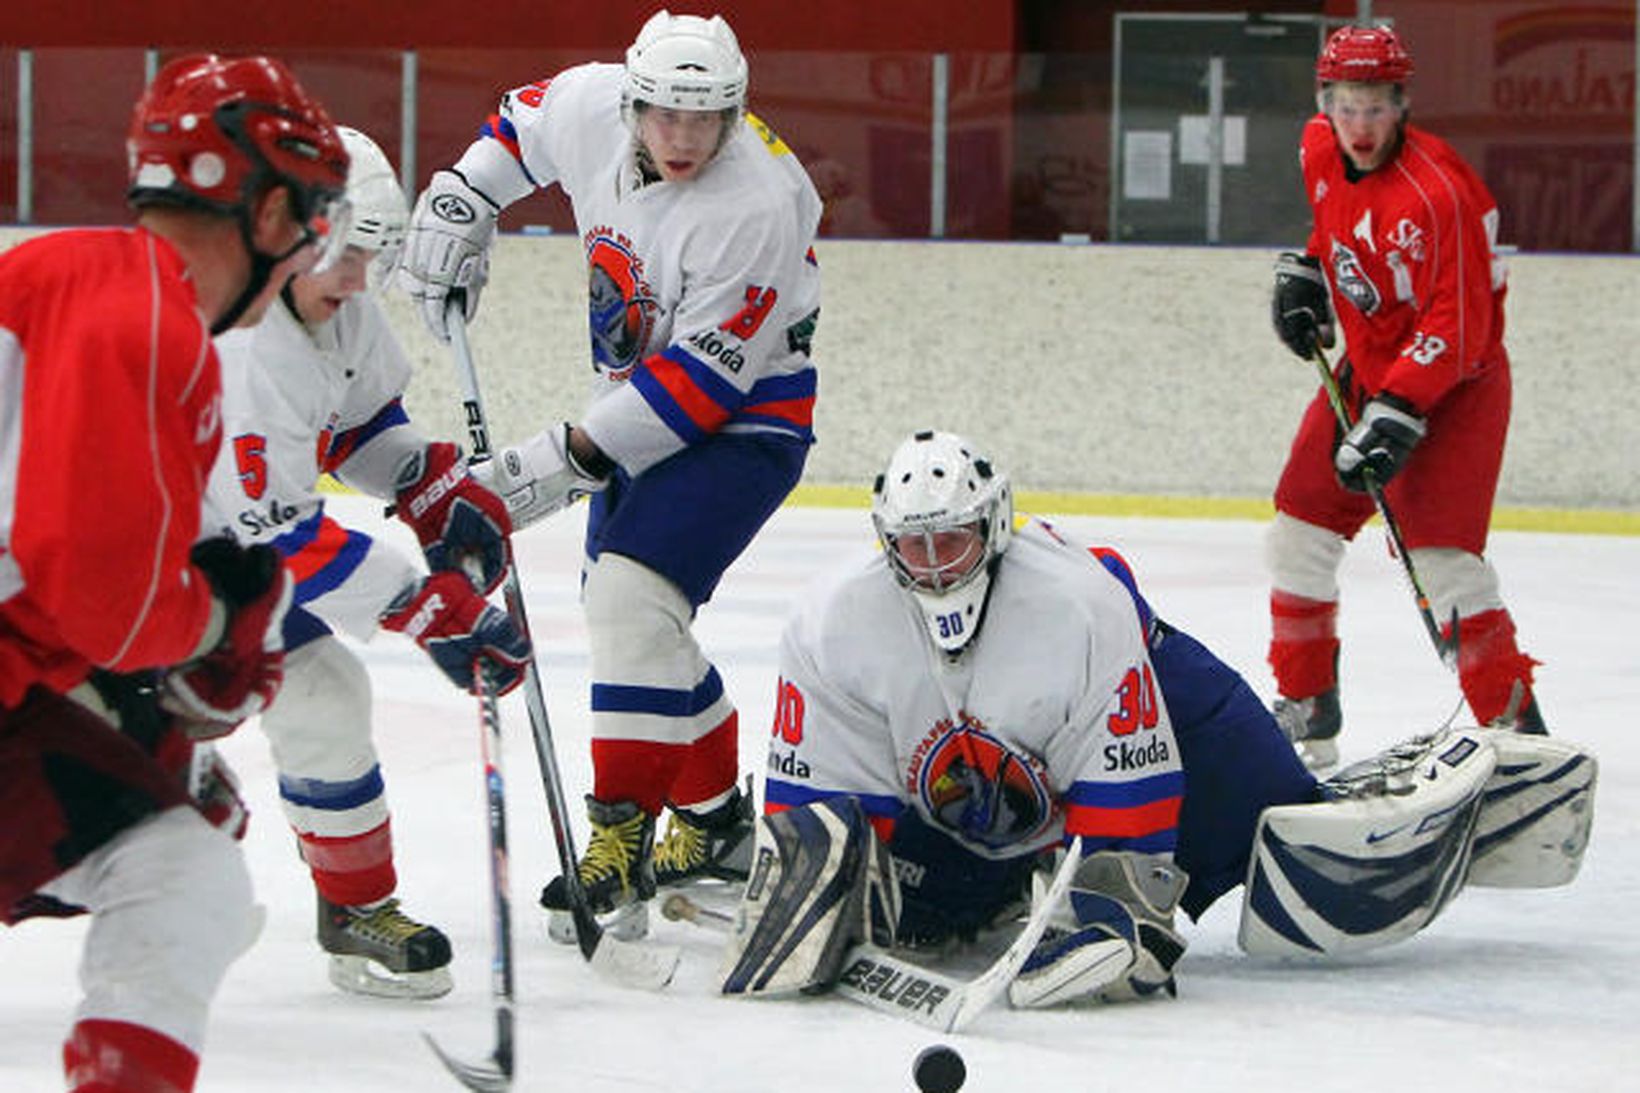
(1299, 307)
(945, 890)
(1379, 444)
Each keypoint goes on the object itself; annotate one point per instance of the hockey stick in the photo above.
(634, 965)
(494, 1075)
(882, 980)
(1445, 647)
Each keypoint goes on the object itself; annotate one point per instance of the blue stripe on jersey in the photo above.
(342, 445)
(792, 795)
(334, 554)
(666, 701)
(332, 796)
(1162, 842)
(1140, 791)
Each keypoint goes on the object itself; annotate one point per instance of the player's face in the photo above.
(680, 142)
(1366, 117)
(318, 296)
(277, 231)
(937, 560)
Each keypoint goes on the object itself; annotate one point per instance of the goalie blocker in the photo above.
(1404, 831)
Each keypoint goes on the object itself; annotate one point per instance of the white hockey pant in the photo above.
(318, 729)
(651, 682)
(171, 908)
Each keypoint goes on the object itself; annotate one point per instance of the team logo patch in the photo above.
(974, 784)
(621, 307)
(1352, 280)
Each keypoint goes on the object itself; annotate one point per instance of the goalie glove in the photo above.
(1113, 941)
(444, 616)
(240, 673)
(1380, 443)
(539, 477)
(1299, 307)
(454, 517)
(448, 247)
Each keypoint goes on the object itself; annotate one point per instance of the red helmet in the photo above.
(1364, 55)
(214, 132)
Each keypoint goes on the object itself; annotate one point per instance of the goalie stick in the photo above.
(628, 963)
(882, 980)
(1445, 647)
(495, 1074)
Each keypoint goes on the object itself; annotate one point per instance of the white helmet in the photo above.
(938, 482)
(685, 62)
(380, 213)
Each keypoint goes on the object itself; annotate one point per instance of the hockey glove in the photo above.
(1114, 941)
(444, 616)
(539, 477)
(1379, 444)
(238, 676)
(448, 247)
(948, 892)
(455, 518)
(1299, 307)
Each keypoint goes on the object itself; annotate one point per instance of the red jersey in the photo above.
(110, 419)
(1409, 252)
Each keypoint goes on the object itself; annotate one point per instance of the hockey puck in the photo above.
(939, 1069)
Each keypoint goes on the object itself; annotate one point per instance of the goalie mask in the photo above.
(943, 515)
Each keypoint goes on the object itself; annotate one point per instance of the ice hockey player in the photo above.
(123, 638)
(317, 387)
(1402, 258)
(697, 223)
(974, 696)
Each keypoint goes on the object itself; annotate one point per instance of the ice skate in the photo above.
(617, 873)
(1312, 725)
(382, 951)
(714, 845)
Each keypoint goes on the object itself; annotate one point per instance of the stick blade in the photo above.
(492, 1076)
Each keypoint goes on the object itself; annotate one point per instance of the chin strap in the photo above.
(262, 267)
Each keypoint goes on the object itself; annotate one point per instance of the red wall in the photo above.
(864, 25)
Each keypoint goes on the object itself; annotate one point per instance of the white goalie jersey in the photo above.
(1048, 724)
(298, 404)
(703, 295)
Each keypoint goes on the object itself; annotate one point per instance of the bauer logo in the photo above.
(454, 209)
(907, 990)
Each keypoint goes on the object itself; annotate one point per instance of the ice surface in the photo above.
(1507, 990)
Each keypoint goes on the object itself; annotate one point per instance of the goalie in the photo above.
(974, 696)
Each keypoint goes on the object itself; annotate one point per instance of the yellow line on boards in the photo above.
(1570, 521)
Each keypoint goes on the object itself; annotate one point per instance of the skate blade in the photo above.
(361, 975)
(628, 923)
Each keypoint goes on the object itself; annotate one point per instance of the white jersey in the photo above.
(297, 404)
(1048, 724)
(703, 294)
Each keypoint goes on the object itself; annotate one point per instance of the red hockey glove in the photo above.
(239, 676)
(455, 518)
(453, 623)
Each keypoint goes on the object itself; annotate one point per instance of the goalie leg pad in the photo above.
(1376, 862)
(817, 875)
(1535, 815)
